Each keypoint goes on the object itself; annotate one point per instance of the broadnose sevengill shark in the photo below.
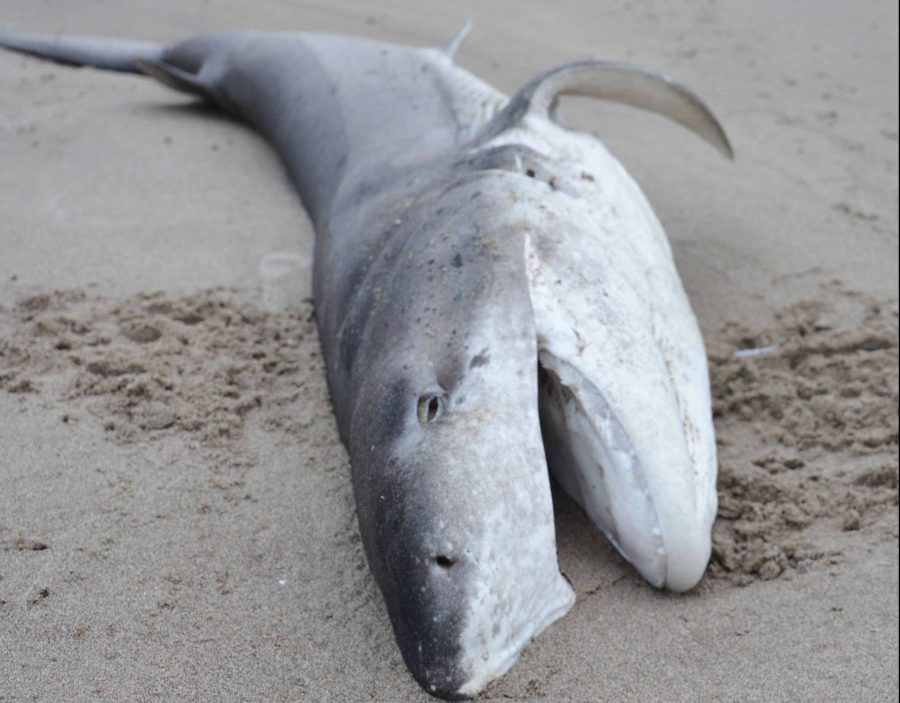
(494, 295)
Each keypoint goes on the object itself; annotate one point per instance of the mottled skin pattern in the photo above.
(425, 306)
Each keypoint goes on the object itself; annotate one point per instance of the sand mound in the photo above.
(806, 413)
(157, 364)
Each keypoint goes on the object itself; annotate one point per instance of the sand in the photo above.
(176, 519)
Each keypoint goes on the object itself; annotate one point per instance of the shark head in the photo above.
(460, 528)
(450, 475)
(532, 341)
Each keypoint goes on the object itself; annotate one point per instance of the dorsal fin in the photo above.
(452, 46)
(619, 82)
(107, 54)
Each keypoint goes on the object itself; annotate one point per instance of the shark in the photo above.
(497, 303)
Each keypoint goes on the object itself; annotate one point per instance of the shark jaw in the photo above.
(594, 460)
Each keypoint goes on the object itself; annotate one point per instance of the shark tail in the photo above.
(107, 54)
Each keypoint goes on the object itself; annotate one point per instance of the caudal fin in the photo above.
(108, 54)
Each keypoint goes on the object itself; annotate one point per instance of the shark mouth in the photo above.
(592, 458)
(624, 404)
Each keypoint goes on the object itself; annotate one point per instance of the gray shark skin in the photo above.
(494, 295)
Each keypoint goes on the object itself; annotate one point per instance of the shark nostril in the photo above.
(444, 561)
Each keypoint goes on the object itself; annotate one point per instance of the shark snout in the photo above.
(468, 590)
(464, 616)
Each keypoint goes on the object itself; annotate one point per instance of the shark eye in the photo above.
(431, 407)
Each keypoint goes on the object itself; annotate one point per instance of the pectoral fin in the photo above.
(175, 77)
(106, 54)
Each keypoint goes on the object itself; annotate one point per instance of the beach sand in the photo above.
(176, 517)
